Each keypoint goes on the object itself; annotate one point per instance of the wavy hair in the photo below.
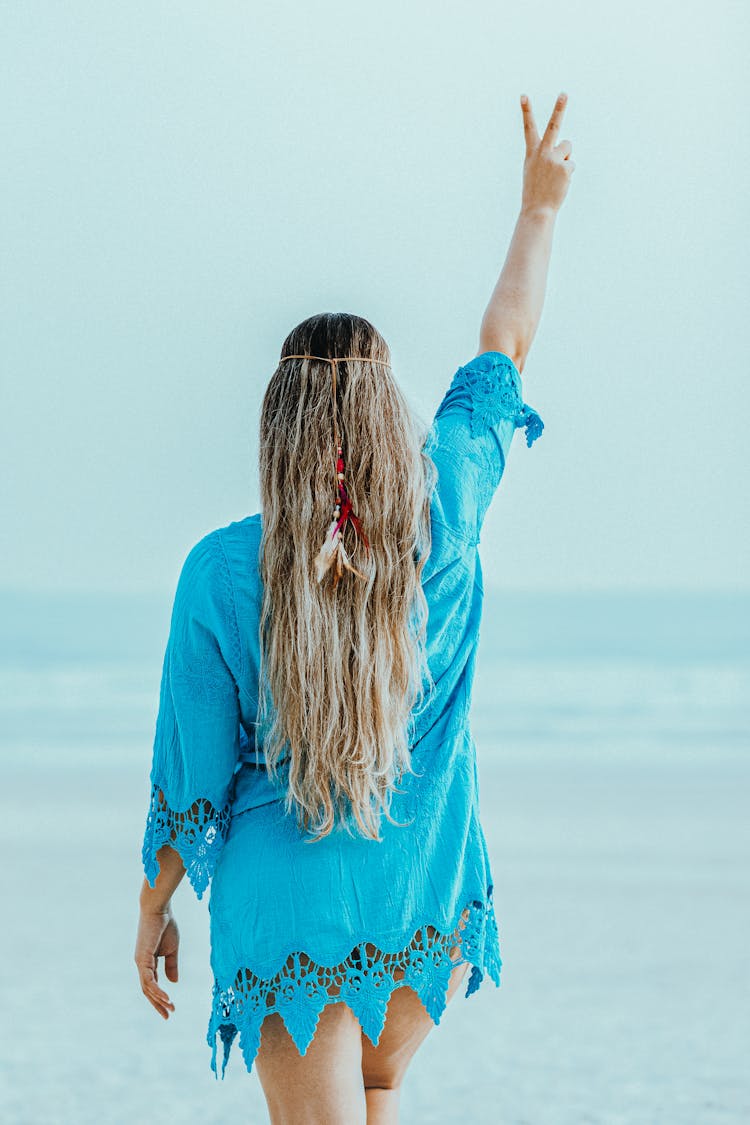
(345, 664)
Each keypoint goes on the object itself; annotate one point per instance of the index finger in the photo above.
(553, 126)
(529, 125)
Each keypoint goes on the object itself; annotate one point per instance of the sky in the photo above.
(183, 183)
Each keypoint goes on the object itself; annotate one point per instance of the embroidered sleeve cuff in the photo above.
(197, 833)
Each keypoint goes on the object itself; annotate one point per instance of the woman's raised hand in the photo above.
(548, 166)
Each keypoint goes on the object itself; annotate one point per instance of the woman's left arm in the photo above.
(158, 935)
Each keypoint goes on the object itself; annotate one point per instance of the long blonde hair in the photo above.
(345, 664)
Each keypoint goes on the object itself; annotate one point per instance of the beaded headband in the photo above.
(332, 552)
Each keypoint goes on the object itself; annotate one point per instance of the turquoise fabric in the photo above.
(295, 925)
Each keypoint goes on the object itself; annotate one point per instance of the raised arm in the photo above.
(515, 307)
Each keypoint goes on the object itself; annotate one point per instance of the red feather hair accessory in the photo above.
(333, 554)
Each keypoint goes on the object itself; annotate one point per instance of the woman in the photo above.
(313, 759)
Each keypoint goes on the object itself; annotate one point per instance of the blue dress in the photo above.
(295, 926)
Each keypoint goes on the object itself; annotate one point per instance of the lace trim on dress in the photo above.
(364, 981)
(197, 834)
(492, 385)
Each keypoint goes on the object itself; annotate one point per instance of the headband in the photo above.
(332, 553)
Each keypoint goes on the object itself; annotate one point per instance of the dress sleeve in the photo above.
(197, 739)
(471, 435)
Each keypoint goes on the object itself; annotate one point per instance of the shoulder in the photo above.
(212, 552)
(239, 543)
(240, 533)
(206, 573)
(228, 566)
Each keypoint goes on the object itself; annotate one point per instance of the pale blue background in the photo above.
(182, 183)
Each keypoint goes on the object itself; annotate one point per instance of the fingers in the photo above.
(553, 126)
(155, 995)
(529, 125)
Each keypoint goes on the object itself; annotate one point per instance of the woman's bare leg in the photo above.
(342, 1079)
(407, 1025)
(323, 1086)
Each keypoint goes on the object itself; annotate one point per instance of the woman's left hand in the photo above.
(158, 936)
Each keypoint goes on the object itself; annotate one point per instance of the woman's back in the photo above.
(325, 899)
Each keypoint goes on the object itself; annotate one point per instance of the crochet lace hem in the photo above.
(364, 981)
(197, 834)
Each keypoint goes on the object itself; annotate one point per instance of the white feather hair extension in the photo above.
(326, 556)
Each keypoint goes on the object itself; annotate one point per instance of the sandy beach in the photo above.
(614, 799)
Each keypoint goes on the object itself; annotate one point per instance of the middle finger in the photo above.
(161, 1003)
(159, 1007)
(550, 133)
(151, 987)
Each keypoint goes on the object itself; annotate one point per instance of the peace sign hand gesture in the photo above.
(547, 167)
